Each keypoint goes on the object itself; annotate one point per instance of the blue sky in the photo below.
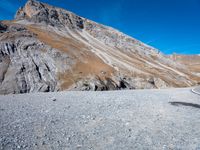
(168, 25)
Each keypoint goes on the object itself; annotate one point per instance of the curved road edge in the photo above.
(196, 90)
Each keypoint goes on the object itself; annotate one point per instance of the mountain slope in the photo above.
(50, 49)
(191, 61)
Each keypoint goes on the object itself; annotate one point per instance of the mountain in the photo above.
(50, 49)
(191, 61)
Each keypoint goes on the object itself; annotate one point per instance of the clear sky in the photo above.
(168, 25)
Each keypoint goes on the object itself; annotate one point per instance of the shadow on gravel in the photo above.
(185, 104)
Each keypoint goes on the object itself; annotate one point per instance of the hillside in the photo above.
(50, 49)
(191, 61)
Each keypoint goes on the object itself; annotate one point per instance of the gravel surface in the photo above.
(196, 90)
(143, 119)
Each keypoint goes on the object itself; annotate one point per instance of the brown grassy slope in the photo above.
(86, 62)
(148, 66)
(191, 61)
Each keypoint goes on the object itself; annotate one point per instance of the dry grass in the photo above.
(93, 65)
(192, 62)
(86, 62)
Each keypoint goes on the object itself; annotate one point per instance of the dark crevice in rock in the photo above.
(3, 27)
(22, 69)
(122, 85)
(13, 48)
(125, 85)
(37, 69)
(3, 75)
(16, 28)
(21, 80)
(30, 45)
(8, 49)
(96, 87)
(79, 22)
(151, 81)
(4, 65)
(47, 89)
(2, 54)
(111, 85)
(47, 67)
(24, 88)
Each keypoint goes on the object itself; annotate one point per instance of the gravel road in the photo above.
(143, 119)
(196, 90)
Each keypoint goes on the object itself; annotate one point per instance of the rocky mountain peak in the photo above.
(51, 49)
(28, 10)
(32, 8)
(37, 12)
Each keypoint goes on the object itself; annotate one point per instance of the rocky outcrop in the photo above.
(3, 27)
(23, 69)
(50, 49)
(118, 83)
(37, 12)
(24, 66)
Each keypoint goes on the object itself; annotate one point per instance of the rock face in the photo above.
(50, 49)
(23, 67)
(2, 28)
